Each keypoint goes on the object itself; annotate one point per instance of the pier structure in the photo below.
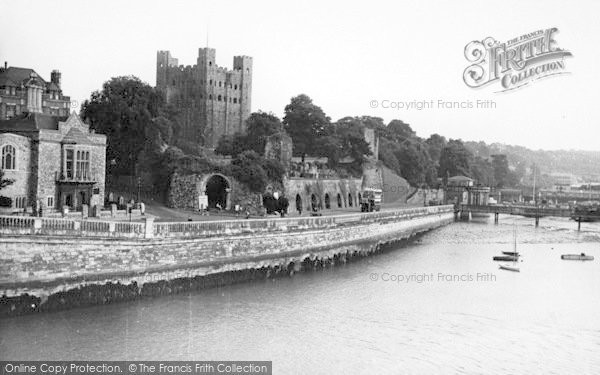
(534, 211)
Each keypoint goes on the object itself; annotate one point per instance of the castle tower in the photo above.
(244, 65)
(213, 100)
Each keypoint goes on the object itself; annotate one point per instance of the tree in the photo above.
(247, 169)
(401, 130)
(482, 171)
(305, 122)
(349, 132)
(259, 126)
(501, 171)
(415, 164)
(435, 143)
(455, 159)
(122, 110)
(233, 144)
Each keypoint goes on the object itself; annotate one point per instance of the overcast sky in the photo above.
(342, 54)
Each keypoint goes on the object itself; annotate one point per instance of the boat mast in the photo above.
(534, 200)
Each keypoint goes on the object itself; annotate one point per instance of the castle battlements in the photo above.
(214, 100)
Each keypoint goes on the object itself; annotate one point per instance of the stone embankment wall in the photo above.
(48, 272)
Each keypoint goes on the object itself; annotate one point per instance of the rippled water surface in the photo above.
(436, 305)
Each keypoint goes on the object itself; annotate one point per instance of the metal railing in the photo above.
(19, 225)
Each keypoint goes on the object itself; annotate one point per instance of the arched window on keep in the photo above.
(9, 155)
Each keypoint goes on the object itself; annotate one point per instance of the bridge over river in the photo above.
(536, 212)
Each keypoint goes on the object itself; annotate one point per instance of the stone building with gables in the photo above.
(24, 90)
(53, 161)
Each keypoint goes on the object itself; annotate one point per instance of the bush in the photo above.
(247, 169)
(5, 202)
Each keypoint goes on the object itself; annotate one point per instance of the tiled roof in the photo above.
(16, 76)
(460, 178)
(31, 121)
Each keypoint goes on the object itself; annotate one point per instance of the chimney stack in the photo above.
(55, 78)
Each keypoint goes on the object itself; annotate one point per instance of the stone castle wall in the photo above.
(184, 191)
(214, 101)
(339, 193)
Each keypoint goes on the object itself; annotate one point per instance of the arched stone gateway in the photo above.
(314, 202)
(339, 200)
(349, 200)
(327, 203)
(298, 203)
(217, 188)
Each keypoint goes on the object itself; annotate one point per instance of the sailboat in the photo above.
(515, 255)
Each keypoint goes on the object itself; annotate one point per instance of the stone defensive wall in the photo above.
(52, 264)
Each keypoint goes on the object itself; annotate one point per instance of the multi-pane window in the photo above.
(8, 157)
(84, 164)
(78, 164)
(69, 166)
(20, 202)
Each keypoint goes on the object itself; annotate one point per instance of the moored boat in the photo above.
(508, 267)
(581, 256)
(506, 258)
(510, 256)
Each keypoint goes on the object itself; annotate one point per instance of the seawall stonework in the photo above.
(44, 273)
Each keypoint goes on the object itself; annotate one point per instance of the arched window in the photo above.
(8, 157)
(219, 98)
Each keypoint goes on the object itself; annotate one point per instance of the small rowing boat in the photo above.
(508, 267)
(513, 253)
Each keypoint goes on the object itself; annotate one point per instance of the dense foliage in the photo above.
(142, 132)
(259, 126)
(134, 116)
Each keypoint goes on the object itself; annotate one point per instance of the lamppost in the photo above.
(139, 181)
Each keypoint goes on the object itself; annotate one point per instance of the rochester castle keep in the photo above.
(214, 101)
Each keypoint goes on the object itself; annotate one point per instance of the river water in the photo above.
(438, 304)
